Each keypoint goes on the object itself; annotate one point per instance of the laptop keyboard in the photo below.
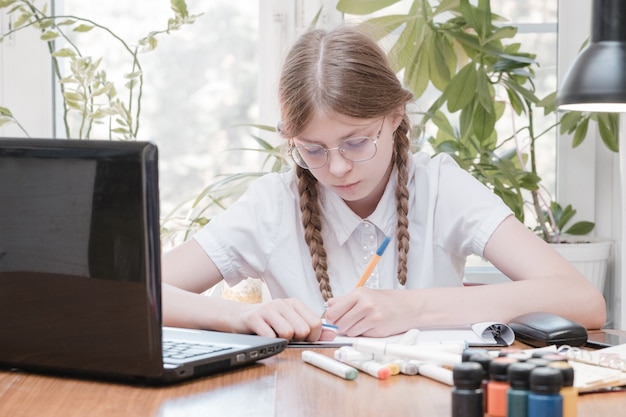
(183, 350)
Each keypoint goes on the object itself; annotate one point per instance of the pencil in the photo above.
(373, 262)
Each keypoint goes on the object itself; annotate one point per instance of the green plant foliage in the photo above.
(88, 96)
(456, 47)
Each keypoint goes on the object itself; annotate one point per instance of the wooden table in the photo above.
(279, 386)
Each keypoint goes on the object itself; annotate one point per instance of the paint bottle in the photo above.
(569, 393)
(498, 386)
(467, 393)
(484, 360)
(469, 352)
(517, 396)
(545, 399)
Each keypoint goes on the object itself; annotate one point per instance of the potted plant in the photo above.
(480, 72)
(89, 98)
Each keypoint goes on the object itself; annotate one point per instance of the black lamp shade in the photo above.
(596, 81)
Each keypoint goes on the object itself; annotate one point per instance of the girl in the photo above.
(310, 232)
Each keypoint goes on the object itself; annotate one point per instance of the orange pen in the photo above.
(373, 262)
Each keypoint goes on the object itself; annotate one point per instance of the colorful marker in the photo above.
(373, 368)
(329, 365)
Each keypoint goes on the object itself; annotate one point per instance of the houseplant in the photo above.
(89, 98)
(479, 71)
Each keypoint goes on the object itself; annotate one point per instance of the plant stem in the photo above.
(533, 166)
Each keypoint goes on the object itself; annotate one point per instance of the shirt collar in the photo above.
(343, 222)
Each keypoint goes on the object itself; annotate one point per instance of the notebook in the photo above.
(80, 290)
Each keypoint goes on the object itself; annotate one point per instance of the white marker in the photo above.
(329, 365)
(428, 354)
(407, 367)
(436, 373)
(347, 353)
(373, 368)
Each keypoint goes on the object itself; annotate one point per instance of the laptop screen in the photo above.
(80, 255)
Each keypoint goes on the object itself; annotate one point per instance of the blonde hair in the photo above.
(344, 71)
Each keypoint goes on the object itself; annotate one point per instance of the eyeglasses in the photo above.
(357, 149)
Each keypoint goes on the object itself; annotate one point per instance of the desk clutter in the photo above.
(505, 382)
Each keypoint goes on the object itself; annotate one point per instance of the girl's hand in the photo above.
(286, 318)
(373, 313)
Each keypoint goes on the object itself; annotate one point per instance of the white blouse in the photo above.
(451, 215)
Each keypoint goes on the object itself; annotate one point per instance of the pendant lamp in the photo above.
(596, 81)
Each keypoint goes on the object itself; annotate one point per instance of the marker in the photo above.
(393, 367)
(437, 373)
(373, 368)
(410, 337)
(428, 354)
(329, 365)
(407, 367)
(373, 262)
(347, 353)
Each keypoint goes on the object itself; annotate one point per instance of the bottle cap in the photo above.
(546, 380)
(538, 361)
(499, 367)
(566, 370)
(484, 360)
(467, 353)
(467, 375)
(519, 375)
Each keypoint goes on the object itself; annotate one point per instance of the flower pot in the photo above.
(590, 255)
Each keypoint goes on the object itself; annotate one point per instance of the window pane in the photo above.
(199, 84)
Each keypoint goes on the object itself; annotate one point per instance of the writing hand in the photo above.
(286, 318)
(373, 313)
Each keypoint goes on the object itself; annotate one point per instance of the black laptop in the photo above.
(80, 285)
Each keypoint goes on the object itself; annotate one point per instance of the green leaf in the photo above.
(416, 75)
(504, 32)
(49, 35)
(64, 53)
(388, 24)
(180, 8)
(461, 89)
(580, 228)
(483, 90)
(22, 20)
(580, 133)
(548, 103)
(608, 126)
(483, 123)
(66, 22)
(439, 70)
(83, 28)
(569, 121)
(361, 7)
(5, 112)
(69, 95)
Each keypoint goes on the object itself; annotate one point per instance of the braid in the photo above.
(309, 206)
(401, 158)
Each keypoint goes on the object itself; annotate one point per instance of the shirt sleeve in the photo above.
(241, 239)
(466, 211)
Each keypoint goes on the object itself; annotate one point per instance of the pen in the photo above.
(330, 327)
(329, 365)
(373, 262)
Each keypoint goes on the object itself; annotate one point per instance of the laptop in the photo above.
(80, 285)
